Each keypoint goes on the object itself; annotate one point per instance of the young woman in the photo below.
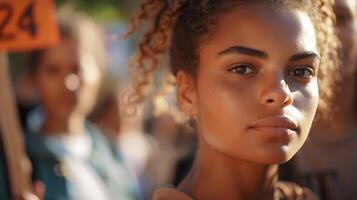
(247, 74)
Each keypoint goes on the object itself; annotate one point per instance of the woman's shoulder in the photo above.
(170, 194)
(291, 191)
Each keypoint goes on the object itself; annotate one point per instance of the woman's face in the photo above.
(255, 93)
(62, 81)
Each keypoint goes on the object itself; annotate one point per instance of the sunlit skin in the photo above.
(66, 94)
(254, 98)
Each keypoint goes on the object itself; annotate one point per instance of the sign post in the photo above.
(18, 166)
(24, 25)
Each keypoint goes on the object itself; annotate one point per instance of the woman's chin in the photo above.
(275, 155)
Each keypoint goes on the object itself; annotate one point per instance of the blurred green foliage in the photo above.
(104, 11)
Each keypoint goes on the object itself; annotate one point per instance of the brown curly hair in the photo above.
(178, 27)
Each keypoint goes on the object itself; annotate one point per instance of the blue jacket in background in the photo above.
(48, 169)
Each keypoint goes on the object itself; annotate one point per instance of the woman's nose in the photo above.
(276, 93)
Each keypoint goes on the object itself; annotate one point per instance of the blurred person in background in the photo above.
(327, 162)
(106, 115)
(155, 132)
(109, 119)
(68, 153)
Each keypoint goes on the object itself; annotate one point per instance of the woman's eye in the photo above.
(242, 69)
(305, 72)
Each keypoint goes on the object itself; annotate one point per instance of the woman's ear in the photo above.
(186, 93)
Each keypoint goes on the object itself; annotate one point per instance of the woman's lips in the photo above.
(275, 127)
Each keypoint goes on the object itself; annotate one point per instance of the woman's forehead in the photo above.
(263, 27)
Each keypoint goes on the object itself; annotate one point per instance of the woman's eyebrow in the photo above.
(245, 51)
(304, 55)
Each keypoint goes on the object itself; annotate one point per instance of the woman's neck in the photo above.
(74, 124)
(217, 176)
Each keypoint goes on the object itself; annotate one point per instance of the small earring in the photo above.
(192, 121)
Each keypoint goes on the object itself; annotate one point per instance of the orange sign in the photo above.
(27, 25)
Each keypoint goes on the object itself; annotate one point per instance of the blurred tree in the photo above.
(104, 11)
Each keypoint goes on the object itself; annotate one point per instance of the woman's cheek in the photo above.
(306, 101)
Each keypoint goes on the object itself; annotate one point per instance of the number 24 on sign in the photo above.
(27, 24)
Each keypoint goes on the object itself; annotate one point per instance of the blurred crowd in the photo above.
(83, 145)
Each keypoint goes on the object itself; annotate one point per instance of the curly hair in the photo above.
(178, 27)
